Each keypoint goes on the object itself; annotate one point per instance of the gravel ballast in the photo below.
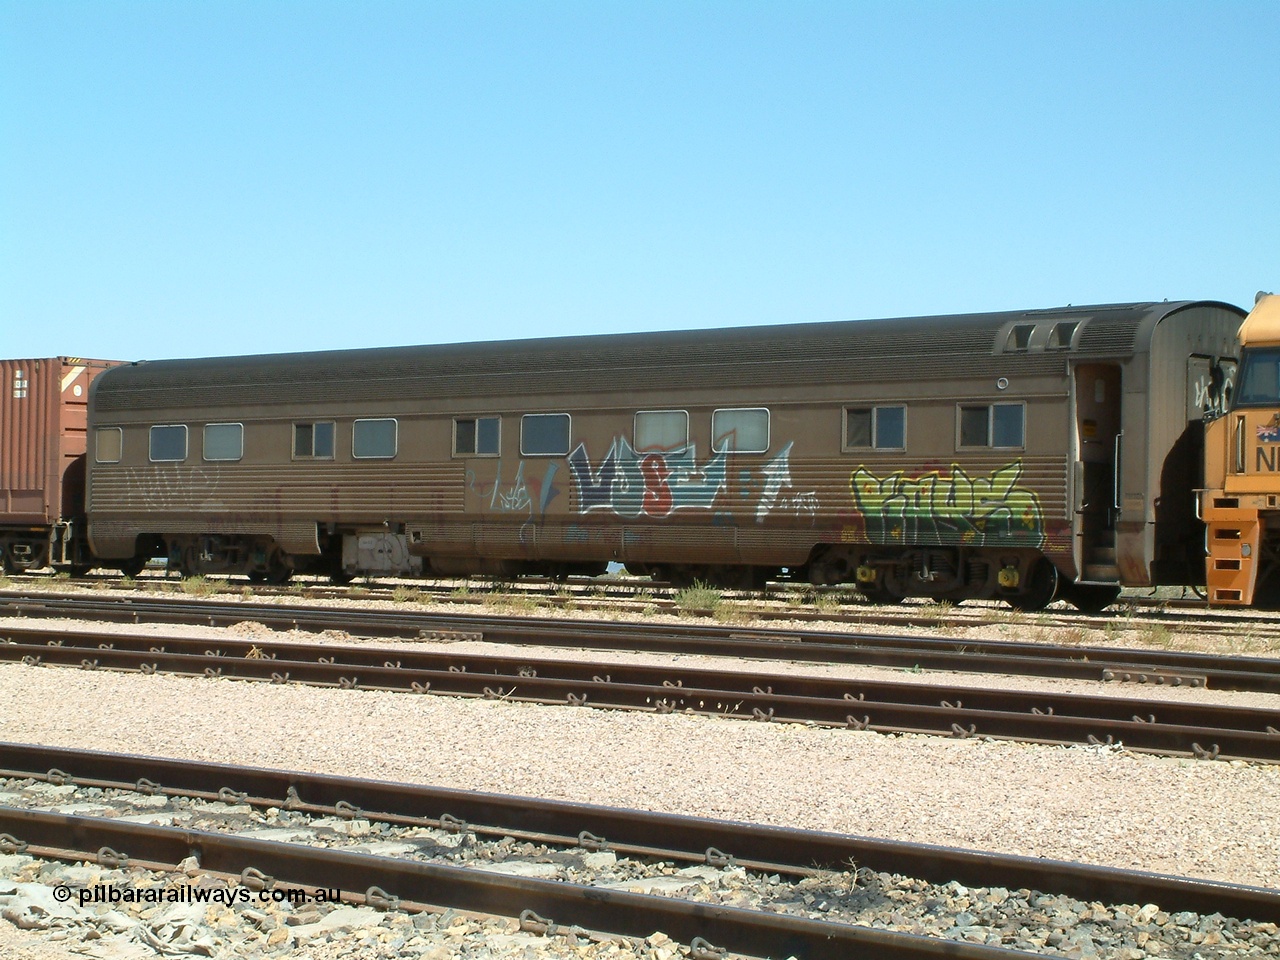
(1214, 820)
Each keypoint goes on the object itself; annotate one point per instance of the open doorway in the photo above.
(1097, 391)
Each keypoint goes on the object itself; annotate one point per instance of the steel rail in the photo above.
(1133, 613)
(1202, 730)
(951, 695)
(770, 848)
(908, 652)
(553, 903)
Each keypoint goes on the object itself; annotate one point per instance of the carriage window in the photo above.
(544, 434)
(313, 441)
(168, 444)
(878, 428)
(1060, 338)
(665, 430)
(1020, 336)
(744, 430)
(997, 425)
(223, 441)
(108, 444)
(374, 439)
(476, 437)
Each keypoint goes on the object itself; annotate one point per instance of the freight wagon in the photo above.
(43, 407)
(1021, 455)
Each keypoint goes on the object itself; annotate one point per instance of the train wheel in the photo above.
(14, 564)
(1041, 588)
(277, 573)
(1089, 597)
(132, 567)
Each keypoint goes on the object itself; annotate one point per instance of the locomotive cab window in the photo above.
(664, 430)
(743, 430)
(223, 441)
(875, 428)
(1259, 377)
(996, 425)
(108, 444)
(313, 441)
(544, 434)
(168, 443)
(374, 439)
(477, 436)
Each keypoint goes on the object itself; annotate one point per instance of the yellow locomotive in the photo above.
(1241, 500)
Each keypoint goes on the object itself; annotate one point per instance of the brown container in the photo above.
(43, 406)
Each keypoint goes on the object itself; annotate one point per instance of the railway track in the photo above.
(1108, 664)
(1132, 614)
(812, 895)
(1207, 731)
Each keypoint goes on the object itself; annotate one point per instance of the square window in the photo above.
(479, 436)
(544, 434)
(313, 441)
(108, 444)
(661, 430)
(879, 428)
(223, 441)
(744, 430)
(168, 444)
(997, 425)
(374, 439)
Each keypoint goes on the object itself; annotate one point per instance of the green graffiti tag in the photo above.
(949, 509)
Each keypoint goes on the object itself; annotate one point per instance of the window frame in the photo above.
(874, 408)
(476, 436)
(666, 450)
(568, 441)
(395, 438)
(97, 444)
(186, 442)
(204, 443)
(293, 445)
(990, 443)
(768, 430)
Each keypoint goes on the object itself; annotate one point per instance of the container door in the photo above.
(1097, 392)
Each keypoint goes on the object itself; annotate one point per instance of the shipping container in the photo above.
(43, 410)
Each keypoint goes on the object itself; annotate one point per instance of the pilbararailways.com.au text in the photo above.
(188, 893)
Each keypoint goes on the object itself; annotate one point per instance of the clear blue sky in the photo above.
(195, 178)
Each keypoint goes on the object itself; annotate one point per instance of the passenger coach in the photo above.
(1016, 455)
